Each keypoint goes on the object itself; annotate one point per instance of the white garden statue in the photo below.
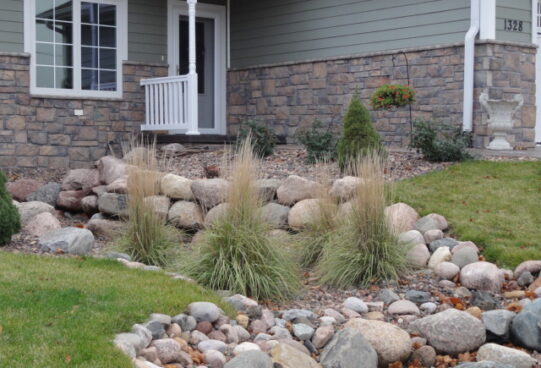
(500, 118)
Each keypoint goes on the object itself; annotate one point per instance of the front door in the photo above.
(205, 65)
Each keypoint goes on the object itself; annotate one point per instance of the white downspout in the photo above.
(469, 64)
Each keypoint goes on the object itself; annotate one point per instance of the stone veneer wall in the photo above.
(290, 96)
(44, 132)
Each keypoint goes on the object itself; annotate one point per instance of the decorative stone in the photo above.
(267, 189)
(498, 322)
(532, 267)
(113, 204)
(275, 215)
(111, 168)
(210, 192)
(107, 229)
(426, 355)
(446, 270)
(130, 339)
(69, 240)
(186, 215)
(445, 242)
(451, 331)
(442, 254)
(429, 307)
(81, 179)
(356, 304)
(525, 330)
(303, 213)
(244, 347)
(70, 200)
(119, 186)
(302, 331)
(334, 314)
(344, 189)
(173, 148)
(89, 204)
(418, 256)
(401, 217)
(482, 276)
(388, 296)
(295, 189)
(206, 345)
(292, 314)
(216, 213)
(390, 342)
(433, 235)
(214, 359)
(464, 257)
(411, 237)
(41, 224)
(417, 296)
(177, 187)
(159, 204)
(347, 349)
(484, 300)
(322, 336)
(250, 359)
(47, 194)
(204, 311)
(27, 210)
(466, 244)
(156, 329)
(168, 350)
(427, 223)
(287, 356)
(20, 189)
(403, 307)
(504, 355)
(525, 279)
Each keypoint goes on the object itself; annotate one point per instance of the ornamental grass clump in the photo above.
(10, 222)
(363, 248)
(236, 252)
(317, 234)
(147, 238)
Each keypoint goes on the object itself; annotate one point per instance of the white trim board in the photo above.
(219, 14)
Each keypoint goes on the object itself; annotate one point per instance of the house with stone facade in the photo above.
(79, 76)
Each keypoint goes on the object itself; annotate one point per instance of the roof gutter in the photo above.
(469, 64)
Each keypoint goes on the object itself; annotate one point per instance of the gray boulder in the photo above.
(484, 300)
(484, 364)
(28, 210)
(294, 189)
(69, 240)
(210, 192)
(526, 326)
(504, 355)
(465, 256)
(250, 359)
(417, 296)
(451, 331)
(113, 204)
(275, 215)
(498, 323)
(187, 215)
(348, 349)
(445, 242)
(204, 311)
(47, 194)
(267, 189)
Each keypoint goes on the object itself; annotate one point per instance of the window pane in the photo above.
(107, 14)
(107, 59)
(89, 80)
(63, 32)
(45, 9)
(44, 31)
(89, 35)
(107, 81)
(107, 36)
(45, 77)
(64, 78)
(63, 55)
(89, 13)
(44, 54)
(89, 57)
(63, 10)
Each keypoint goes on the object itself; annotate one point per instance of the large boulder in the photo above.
(267, 189)
(20, 189)
(42, 224)
(482, 276)
(110, 169)
(210, 192)
(294, 189)
(504, 355)
(177, 187)
(47, 194)
(107, 229)
(81, 179)
(70, 200)
(159, 204)
(431, 222)
(390, 342)
(287, 356)
(89, 204)
(451, 331)
(216, 213)
(186, 215)
(113, 204)
(349, 349)
(119, 186)
(27, 210)
(303, 213)
(250, 359)
(401, 217)
(418, 256)
(526, 326)
(410, 237)
(344, 189)
(532, 267)
(69, 240)
(275, 215)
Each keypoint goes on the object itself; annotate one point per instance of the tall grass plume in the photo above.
(236, 252)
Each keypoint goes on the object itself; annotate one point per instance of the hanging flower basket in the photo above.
(391, 96)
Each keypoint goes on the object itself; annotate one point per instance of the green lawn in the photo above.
(497, 205)
(58, 312)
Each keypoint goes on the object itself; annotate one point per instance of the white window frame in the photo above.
(77, 91)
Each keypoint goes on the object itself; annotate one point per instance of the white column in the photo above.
(488, 20)
(193, 103)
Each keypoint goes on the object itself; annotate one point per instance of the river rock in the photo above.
(322, 336)
(275, 215)
(442, 254)
(446, 270)
(356, 304)
(482, 276)
(344, 188)
(484, 300)
(403, 307)
(81, 179)
(186, 215)
(532, 267)
(204, 311)
(451, 331)
(430, 222)
(70, 200)
(465, 244)
(27, 210)
(295, 189)
(444, 242)
(113, 204)
(498, 322)
(267, 189)
(526, 326)
(210, 192)
(418, 296)
(119, 186)
(504, 355)
(418, 256)
(69, 240)
(401, 217)
(177, 187)
(111, 168)
(464, 257)
(41, 224)
(411, 237)
(287, 356)
(303, 331)
(47, 194)
(347, 349)
(216, 213)
(107, 229)
(89, 204)
(20, 189)
(250, 359)
(433, 235)
(303, 213)
(390, 342)
(168, 350)
(426, 355)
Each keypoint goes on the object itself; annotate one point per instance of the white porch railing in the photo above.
(166, 103)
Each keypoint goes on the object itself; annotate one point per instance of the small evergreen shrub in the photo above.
(10, 222)
(363, 250)
(439, 142)
(359, 136)
(236, 252)
(262, 137)
(392, 95)
(319, 142)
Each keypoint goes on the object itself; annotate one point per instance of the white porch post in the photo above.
(193, 103)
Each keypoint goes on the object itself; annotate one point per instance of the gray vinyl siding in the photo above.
(272, 31)
(520, 10)
(11, 26)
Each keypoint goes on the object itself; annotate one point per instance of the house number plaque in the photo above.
(513, 25)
